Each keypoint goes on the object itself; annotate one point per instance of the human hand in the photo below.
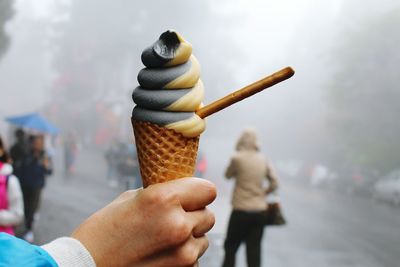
(162, 225)
(46, 163)
(268, 190)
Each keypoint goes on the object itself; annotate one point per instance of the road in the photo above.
(324, 228)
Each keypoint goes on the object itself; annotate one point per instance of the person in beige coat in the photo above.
(250, 168)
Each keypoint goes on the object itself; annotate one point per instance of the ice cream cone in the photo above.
(163, 153)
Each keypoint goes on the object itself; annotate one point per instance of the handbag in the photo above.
(272, 215)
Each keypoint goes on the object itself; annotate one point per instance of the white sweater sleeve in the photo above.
(15, 212)
(69, 252)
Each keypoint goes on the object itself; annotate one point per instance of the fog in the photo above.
(236, 43)
(76, 62)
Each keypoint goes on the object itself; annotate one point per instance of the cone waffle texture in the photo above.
(163, 154)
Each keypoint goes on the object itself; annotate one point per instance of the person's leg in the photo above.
(28, 207)
(67, 163)
(35, 202)
(253, 242)
(235, 235)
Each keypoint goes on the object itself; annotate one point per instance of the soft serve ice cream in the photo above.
(170, 88)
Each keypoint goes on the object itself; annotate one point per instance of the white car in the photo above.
(388, 188)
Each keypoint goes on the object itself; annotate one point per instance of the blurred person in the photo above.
(137, 178)
(128, 165)
(201, 164)
(36, 166)
(161, 225)
(70, 152)
(4, 156)
(111, 156)
(249, 168)
(18, 151)
(11, 203)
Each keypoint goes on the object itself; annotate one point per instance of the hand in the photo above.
(269, 190)
(162, 225)
(46, 163)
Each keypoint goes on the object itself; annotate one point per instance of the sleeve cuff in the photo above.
(69, 252)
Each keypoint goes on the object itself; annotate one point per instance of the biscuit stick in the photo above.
(245, 92)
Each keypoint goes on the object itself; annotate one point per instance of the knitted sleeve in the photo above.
(67, 251)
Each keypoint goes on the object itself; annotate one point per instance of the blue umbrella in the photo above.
(33, 121)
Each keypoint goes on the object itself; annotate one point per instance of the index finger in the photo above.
(193, 193)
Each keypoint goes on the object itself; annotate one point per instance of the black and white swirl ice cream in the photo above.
(170, 88)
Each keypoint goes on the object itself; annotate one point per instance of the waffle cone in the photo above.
(164, 154)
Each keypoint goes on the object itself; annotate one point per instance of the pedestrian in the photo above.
(201, 164)
(36, 167)
(250, 168)
(161, 225)
(18, 152)
(4, 156)
(137, 178)
(11, 203)
(128, 166)
(70, 152)
(111, 156)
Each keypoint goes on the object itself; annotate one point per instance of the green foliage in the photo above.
(6, 12)
(365, 95)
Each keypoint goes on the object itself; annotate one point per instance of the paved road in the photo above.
(67, 202)
(324, 229)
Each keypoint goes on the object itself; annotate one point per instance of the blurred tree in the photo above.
(6, 12)
(365, 96)
(97, 53)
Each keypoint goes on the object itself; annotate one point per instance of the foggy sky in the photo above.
(267, 36)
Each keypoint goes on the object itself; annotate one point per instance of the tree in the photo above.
(97, 51)
(365, 96)
(6, 12)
